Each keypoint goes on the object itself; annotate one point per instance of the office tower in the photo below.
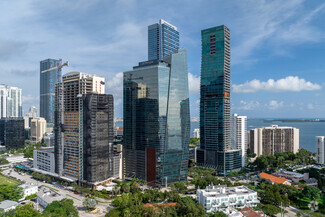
(68, 128)
(37, 129)
(273, 139)
(196, 133)
(10, 101)
(239, 135)
(12, 133)
(163, 40)
(320, 149)
(156, 120)
(98, 136)
(49, 76)
(215, 144)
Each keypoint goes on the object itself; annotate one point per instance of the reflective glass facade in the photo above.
(215, 100)
(163, 40)
(157, 120)
(48, 79)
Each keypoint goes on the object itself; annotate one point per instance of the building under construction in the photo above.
(83, 128)
(98, 136)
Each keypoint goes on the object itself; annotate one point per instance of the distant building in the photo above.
(320, 149)
(46, 196)
(7, 205)
(37, 129)
(215, 149)
(12, 133)
(238, 126)
(118, 134)
(163, 40)
(294, 177)
(157, 120)
(49, 139)
(43, 159)
(29, 189)
(10, 101)
(273, 139)
(49, 76)
(196, 133)
(33, 112)
(216, 198)
(273, 179)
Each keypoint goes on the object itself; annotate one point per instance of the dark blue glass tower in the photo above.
(157, 120)
(215, 145)
(163, 40)
(49, 76)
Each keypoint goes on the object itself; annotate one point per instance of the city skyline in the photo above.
(277, 70)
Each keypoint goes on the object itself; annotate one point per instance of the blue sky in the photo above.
(277, 47)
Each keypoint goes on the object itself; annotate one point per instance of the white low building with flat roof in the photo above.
(29, 189)
(46, 196)
(217, 198)
(294, 177)
(8, 205)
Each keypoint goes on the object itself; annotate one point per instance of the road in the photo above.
(103, 206)
(292, 212)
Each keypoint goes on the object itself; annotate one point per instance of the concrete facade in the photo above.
(269, 140)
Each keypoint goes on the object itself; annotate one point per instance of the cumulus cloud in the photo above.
(290, 83)
(193, 83)
(114, 86)
(248, 105)
(273, 105)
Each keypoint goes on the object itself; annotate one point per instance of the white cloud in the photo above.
(277, 23)
(310, 106)
(193, 83)
(290, 83)
(273, 105)
(251, 105)
(115, 86)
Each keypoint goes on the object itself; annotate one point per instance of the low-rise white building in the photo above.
(7, 205)
(45, 196)
(294, 177)
(44, 159)
(29, 189)
(217, 198)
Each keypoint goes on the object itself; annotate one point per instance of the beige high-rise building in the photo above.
(37, 129)
(269, 140)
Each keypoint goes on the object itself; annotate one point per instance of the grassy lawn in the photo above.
(7, 181)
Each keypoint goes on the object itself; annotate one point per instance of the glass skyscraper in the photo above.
(163, 40)
(49, 76)
(157, 120)
(215, 144)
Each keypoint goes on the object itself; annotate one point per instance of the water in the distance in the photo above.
(307, 130)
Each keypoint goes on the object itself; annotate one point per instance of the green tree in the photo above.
(269, 209)
(11, 192)
(3, 161)
(61, 208)
(194, 141)
(27, 211)
(90, 203)
(311, 192)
